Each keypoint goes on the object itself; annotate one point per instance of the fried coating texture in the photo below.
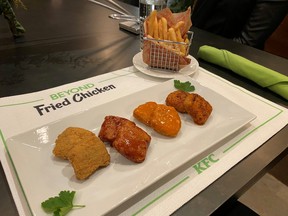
(193, 104)
(87, 157)
(176, 99)
(85, 151)
(198, 108)
(163, 119)
(69, 138)
(126, 137)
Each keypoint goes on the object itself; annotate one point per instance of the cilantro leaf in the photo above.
(184, 86)
(60, 205)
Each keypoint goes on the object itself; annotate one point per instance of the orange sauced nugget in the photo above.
(144, 112)
(163, 119)
(83, 149)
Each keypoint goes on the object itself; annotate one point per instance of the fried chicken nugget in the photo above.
(144, 112)
(176, 99)
(110, 127)
(126, 137)
(69, 138)
(87, 157)
(132, 142)
(83, 149)
(198, 108)
(165, 120)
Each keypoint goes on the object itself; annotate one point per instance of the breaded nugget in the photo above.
(165, 120)
(109, 128)
(87, 157)
(176, 99)
(83, 149)
(69, 138)
(198, 108)
(126, 137)
(132, 142)
(144, 112)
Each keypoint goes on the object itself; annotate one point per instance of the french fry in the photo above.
(160, 29)
(172, 37)
(164, 28)
(178, 35)
(156, 29)
(172, 34)
(180, 39)
(179, 25)
(185, 37)
(151, 21)
(170, 47)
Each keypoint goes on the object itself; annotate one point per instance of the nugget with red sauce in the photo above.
(126, 137)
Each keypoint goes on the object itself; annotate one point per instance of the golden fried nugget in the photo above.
(144, 112)
(165, 120)
(198, 108)
(69, 138)
(87, 157)
(176, 99)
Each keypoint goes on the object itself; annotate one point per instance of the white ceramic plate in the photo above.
(144, 68)
(42, 175)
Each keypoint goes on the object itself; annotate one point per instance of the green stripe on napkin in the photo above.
(259, 74)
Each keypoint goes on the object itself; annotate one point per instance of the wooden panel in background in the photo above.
(277, 43)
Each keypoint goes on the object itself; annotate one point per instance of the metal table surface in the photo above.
(67, 41)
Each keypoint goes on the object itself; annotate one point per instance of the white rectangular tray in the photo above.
(41, 175)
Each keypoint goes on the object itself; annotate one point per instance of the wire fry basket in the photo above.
(166, 55)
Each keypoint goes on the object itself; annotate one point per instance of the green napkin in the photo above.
(259, 74)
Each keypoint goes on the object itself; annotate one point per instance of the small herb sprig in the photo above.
(184, 86)
(60, 205)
